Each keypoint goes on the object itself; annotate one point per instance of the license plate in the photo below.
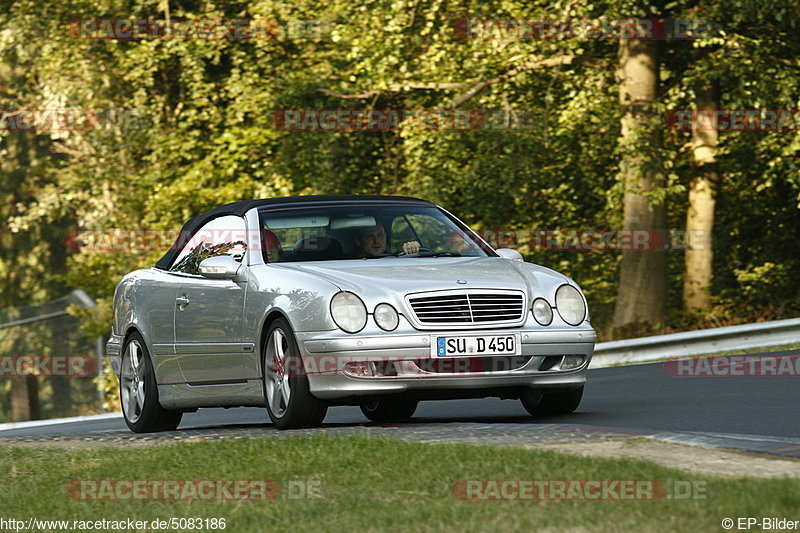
(508, 344)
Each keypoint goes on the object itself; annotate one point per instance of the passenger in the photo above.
(458, 242)
(273, 252)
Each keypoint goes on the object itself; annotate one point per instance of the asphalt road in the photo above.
(637, 397)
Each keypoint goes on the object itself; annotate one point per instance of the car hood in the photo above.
(415, 274)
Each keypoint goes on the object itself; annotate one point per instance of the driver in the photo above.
(372, 241)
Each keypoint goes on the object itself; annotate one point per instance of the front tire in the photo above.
(552, 403)
(139, 391)
(290, 404)
(389, 410)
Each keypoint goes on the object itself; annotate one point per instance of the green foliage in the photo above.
(207, 136)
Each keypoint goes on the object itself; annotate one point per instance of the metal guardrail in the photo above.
(703, 341)
(77, 296)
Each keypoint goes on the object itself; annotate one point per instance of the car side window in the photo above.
(226, 235)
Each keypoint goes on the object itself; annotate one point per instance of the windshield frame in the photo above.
(261, 212)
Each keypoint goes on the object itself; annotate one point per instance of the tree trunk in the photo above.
(59, 345)
(21, 151)
(641, 297)
(700, 215)
(24, 399)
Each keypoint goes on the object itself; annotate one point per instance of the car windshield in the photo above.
(365, 232)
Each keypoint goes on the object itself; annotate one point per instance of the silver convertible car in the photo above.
(302, 303)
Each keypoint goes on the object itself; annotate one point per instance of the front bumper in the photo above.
(404, 365)
(113, 352)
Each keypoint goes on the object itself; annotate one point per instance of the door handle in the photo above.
(182, 301)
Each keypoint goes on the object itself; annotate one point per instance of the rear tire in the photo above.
(389, 410)
(139, 391)
(290, 404)
(552, 403)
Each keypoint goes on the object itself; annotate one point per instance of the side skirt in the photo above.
(248, 393)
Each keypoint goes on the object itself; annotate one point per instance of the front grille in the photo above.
(468, 308)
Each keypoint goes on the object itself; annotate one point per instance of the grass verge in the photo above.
(370, 484)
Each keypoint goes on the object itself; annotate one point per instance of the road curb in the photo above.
(55, 421)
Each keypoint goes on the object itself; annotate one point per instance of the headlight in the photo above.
(570, 305)
(386, 317)
(542, 311)
(349, 312)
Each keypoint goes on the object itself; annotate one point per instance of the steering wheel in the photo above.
(401, 253)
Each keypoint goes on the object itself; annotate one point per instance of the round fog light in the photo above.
(360, 368)
(572, 361)
(386, 317)
(542, 311)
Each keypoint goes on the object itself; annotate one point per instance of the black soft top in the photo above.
(240, 208)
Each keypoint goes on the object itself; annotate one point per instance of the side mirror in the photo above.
(219, 267)
(509, 253)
